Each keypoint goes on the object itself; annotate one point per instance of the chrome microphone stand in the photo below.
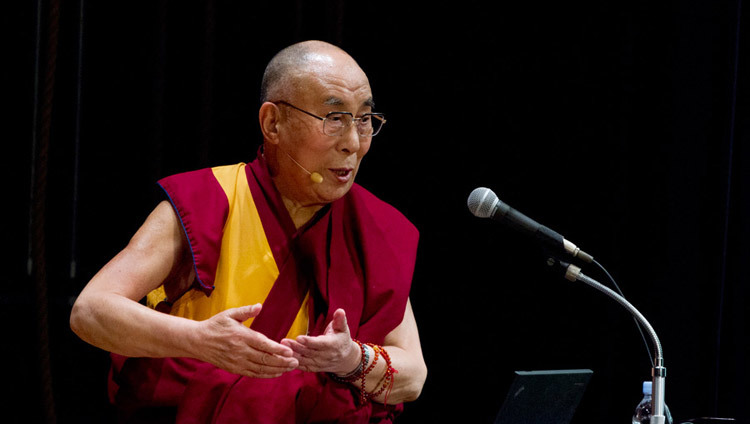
(658, 371)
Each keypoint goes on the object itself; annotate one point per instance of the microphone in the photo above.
(484, 203)
(314, 176)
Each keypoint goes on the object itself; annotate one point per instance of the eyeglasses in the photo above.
(335, 123)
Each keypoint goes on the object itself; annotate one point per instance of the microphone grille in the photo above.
(482, 202)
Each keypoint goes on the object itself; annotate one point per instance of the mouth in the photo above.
(342, 174)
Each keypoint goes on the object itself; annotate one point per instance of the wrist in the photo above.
(354, 361)
(190, 338)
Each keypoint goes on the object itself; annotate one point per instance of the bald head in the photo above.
(306, 80)
(281, 76)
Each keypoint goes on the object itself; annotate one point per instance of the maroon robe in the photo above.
(357, 253)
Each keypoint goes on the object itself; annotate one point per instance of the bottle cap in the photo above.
(646, 387)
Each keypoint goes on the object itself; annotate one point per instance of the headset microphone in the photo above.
(314, 176)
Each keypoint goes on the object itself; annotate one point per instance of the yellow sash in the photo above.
(246, 270)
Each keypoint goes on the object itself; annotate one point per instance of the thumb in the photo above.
(244, 313)
(339, 324)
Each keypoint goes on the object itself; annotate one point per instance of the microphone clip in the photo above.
(567, 270)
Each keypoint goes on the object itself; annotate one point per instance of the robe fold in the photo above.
(357, 253)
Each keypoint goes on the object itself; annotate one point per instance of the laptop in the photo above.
(543, 397)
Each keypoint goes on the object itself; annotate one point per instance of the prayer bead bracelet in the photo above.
(357, 373)
(363, 395)
(385, 385)
(388, 377)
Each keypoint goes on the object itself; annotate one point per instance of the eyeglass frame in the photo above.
(371, 114)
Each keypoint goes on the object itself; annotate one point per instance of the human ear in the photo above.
(269, 116)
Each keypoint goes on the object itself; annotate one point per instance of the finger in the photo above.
(279, 362)
(271, 360)
(310, 368)
(262, 343)
(317, 343)
(292, 344)
(299, 353)
(309, 359)
(312, 363)
(262, 372)
(300, 349)
(287, 343)
(244, 313)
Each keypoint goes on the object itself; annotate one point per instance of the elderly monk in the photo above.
(277, 291)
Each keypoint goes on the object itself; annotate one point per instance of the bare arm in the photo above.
(107, 313)
(336, 352)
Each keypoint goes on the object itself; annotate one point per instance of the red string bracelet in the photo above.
(388, 377)
(363, 369)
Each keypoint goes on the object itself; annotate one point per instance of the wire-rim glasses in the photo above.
(335, 123)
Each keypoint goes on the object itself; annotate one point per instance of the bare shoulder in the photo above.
(162, 229)
(158, 252)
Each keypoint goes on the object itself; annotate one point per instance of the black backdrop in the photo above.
(619, 124)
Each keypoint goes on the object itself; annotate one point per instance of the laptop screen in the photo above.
(543, 397)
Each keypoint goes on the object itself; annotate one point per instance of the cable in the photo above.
(727, 207)
(637, 324)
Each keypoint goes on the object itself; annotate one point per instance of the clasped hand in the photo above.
(229, 345)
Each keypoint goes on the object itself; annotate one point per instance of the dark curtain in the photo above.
(619, 124)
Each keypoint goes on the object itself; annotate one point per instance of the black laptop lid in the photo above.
(543, 397)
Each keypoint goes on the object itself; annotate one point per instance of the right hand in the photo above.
(225, 342)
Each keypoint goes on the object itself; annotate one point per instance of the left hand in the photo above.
(333, 351)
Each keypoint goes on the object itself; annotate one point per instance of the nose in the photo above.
(349, 141)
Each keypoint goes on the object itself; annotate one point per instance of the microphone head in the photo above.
(316, 178)
(482, 202)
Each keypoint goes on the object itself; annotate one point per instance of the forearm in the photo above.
(120, 325)
(408, 380)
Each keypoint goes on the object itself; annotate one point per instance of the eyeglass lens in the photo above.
(367, 125)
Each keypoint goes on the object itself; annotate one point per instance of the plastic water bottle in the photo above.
(642, 413)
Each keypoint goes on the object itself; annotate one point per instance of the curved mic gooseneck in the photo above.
(658, 371)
